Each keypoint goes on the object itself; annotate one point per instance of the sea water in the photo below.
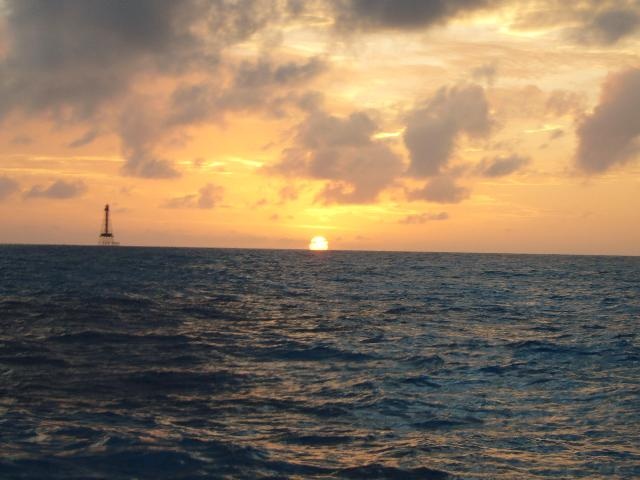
(213, 363)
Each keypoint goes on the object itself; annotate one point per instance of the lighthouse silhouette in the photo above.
(106, 231)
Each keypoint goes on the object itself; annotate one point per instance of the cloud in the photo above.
(86, 139)
(192, 103)
(8, 186)
(210, 196)
(207, 197)
(434, 127)
(358, 167)
(141, 127)
(59, 50)
(56, 57)
(501, 166)
(529, 102)
(562, 102)
(440, 189)
(144, 164)
(555, 134)
(600, 22)
(486, 72)
(610, 135)
(400, 14)
(21, 140)
(263, 85)
(266, 72)
(608, 26)
(342, 151)
(422, 218)
(60, 189)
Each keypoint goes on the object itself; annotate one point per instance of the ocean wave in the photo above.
(375, 471)
(194, 363)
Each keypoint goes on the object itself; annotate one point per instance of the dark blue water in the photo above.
(191, 363)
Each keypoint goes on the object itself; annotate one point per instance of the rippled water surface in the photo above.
(188, 363)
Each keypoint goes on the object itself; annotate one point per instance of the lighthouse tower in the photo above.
(106, 231)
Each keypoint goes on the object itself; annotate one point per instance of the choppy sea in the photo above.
(122, 363)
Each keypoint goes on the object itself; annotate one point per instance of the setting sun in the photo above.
(318, 243)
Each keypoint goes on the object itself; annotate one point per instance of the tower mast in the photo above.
(106, 235)
(106, 220)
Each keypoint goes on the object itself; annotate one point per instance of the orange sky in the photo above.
(408, 125)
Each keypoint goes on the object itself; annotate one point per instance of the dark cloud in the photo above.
(86, 139)
(501, 166)
(233, 21)
(611, 134)
(422, 218)
(342, 151)
(433, 128)
(192, 103)
(141, 127)
(263, 85)
(609, 26)
(400, 14)
(266, 72)
(601, 22)
(77, 60)
(8, 186)
(207, 197)
(322, 130)
(145, 164)
(60, 189)
(270, 87)
(440, 189)
(68, 56)
(75, 54)
(358, 173)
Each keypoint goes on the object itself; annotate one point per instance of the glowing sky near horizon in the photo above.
(502, 126)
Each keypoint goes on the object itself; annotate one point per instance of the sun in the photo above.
(318, 243)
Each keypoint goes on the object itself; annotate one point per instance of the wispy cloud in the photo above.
(421, 218)
(501, 166)
(8, 186)
(59, 189)
(207, 197)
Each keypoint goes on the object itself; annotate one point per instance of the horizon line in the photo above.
(321, 252)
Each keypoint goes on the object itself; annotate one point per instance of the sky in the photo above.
(419, 125)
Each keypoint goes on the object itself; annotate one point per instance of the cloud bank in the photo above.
(610, 135)
(343, 151)
(54, 62)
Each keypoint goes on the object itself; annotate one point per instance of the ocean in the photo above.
(163, 363)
